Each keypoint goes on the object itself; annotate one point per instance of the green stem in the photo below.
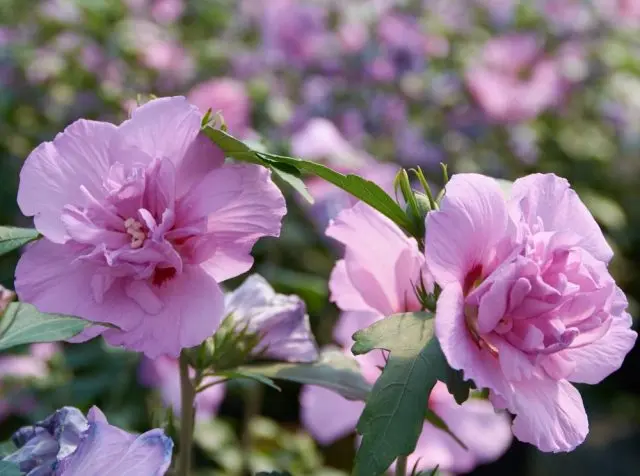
(187, 400)
(401, 466)
(252, 406)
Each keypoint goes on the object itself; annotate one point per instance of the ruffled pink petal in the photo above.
(239, 204)
(162, 128)
(461, 351)
(374, 246)
(201, 157)
(327, 415)
(549, 198)
(465, 232)
(601, 358)
(549, 414)
(193, 307)
(55, 172)
(344, 293)
(50, 277)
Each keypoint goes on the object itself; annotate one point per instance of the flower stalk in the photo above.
(187, 415)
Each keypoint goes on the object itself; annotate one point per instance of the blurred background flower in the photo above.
(495, 86)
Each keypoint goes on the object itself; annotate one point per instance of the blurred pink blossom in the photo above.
(527, 303)
(227, 96)
(515, 79)
(142, 221)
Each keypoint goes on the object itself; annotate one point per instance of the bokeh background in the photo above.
(503, 87)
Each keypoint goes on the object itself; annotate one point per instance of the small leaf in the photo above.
(9, 469)
(292, 177)
(232, 147)
(333, 370)
(393, 417)
(22, 323)
(12, 238)
(243, 373)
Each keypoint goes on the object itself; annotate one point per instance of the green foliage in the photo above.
(9, 469)
(359, 187)
(393, 417)
(23, 324)
(457, 386)
(333, 370)
(12, 238)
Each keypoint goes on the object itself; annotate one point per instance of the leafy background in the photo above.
(401, 95)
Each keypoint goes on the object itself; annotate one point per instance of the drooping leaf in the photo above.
(294, 180)
(333, 370)
(22, 323)
(363, 189)
(393, 417)
(12, 238)
(9, 469)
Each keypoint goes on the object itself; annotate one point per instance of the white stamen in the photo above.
(134, 228)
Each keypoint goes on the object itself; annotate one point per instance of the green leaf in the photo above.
(439, 423)
(6, 448)
(457, 386)
(333, 370)
(292, 177)
(22, 323)
(393, 417)
(246, 374)
(365, 190)
(12, 238)
(9, 469)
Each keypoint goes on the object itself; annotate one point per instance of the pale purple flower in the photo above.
(68, 444)
(527, 303)
(280, 320)
(375, 279)
(227, 96)
(620, 12)
(142, 221)
(516, 80)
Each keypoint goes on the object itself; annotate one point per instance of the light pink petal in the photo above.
(549, 414)
(328, 415)
(601, 358)
(465, 232)
(374, 245)
(461, 351)
(49, 277)
(550, 198)
(350, 322)
(344, 293)
(53, 174)
(161, 128)
(201, 157)
(193, 309)
(240, 204)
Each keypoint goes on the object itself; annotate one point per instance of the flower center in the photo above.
(135, 229)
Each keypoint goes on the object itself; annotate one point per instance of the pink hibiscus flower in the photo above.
(375, 279)
(142, 221)
(527, 304)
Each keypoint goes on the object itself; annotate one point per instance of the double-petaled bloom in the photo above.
(142, 221)
(527, 304)
(378, 277)
(68, 444)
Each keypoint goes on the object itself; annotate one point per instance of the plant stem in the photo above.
(252, 405)
(401, 466)
(187, 400)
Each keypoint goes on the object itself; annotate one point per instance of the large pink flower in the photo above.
(141, 222)
(527, 304)
(375, 279)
